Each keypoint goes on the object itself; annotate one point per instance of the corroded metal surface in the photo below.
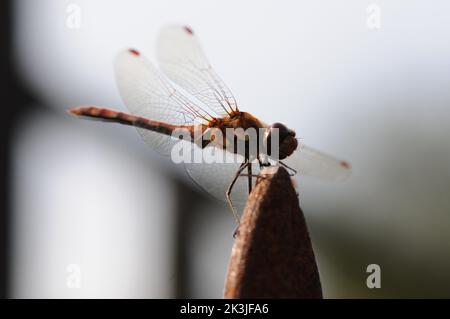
(272, 256)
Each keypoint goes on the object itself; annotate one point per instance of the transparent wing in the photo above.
(307, 161)
(215, 178)
(181, 58)
(146, 92)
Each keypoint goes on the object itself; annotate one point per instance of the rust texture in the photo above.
(272, 256)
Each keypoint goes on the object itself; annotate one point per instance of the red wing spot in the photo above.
(188, 30)
(135, 52)
(344, 164)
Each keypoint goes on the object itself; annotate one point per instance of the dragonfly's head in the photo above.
(279, 133)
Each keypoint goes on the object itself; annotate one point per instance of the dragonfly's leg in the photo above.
(249, 176)
(228, 194)
(288, 167)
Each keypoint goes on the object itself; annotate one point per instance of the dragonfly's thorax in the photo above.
(241, 133)
(237, 120)
(244, 134)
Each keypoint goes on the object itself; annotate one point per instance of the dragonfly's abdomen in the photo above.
(108, 115)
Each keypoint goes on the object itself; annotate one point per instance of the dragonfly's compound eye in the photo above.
(285, 139)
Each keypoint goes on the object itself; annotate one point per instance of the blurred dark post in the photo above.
(5, 14)
(13, 104)
(272, 256)
(187, 206)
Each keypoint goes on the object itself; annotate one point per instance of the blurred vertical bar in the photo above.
(5, 96)
(14, 103)
(187, 201)
(180, 242)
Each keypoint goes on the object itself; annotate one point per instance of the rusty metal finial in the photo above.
(272, 256)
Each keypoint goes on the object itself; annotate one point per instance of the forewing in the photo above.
(182, 59)
(146, 93)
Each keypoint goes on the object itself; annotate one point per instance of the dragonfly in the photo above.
(186, 93)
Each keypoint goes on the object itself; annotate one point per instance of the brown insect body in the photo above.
(244, 121)
(237, 120)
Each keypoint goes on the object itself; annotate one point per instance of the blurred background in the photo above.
(90, 211)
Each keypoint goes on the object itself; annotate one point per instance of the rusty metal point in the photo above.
(272, 256)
